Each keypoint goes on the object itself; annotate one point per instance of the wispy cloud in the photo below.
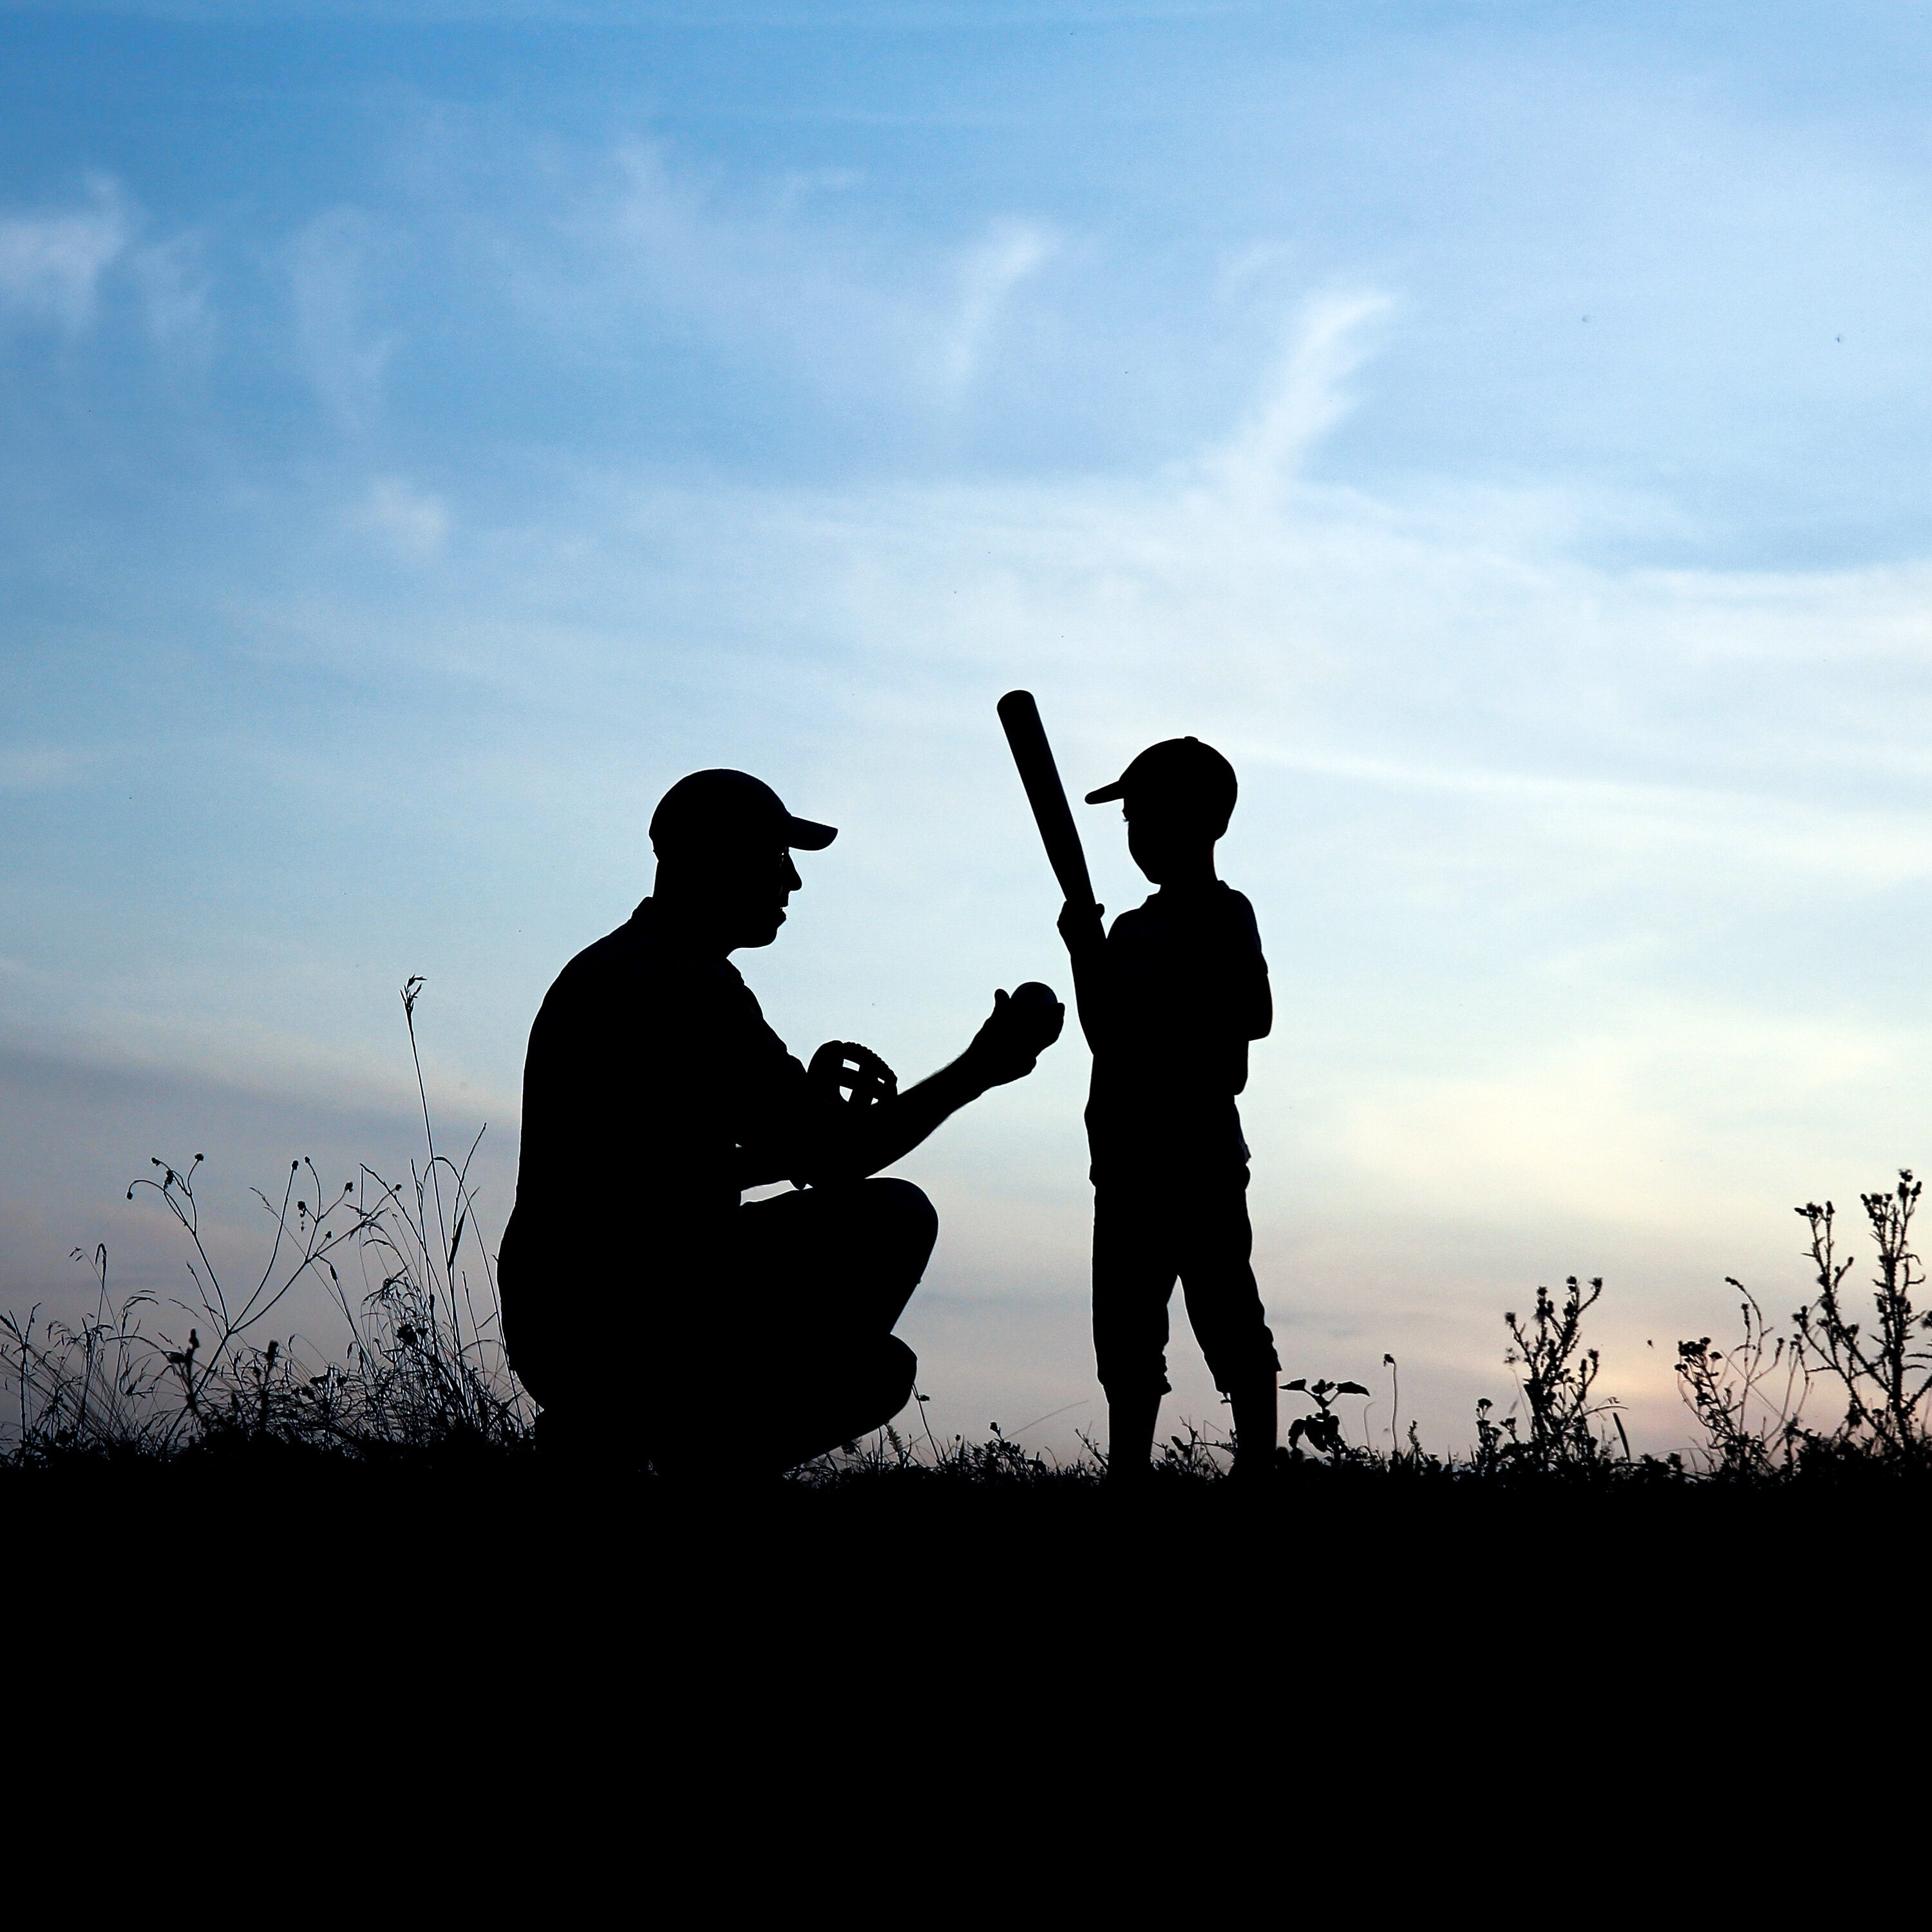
(174, 289)
(329, 265)
(52, 263)
(992, 270)
(410, 522)
(35, 767)
(1306, 398)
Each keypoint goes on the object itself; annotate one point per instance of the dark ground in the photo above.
(1420, 1588)
(898, 1693)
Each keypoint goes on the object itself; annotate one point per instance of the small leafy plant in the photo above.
(1322, 1431)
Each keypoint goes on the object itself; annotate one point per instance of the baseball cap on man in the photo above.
(726, 808)
(1181, 772)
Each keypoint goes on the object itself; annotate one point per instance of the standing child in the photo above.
(1168, 999)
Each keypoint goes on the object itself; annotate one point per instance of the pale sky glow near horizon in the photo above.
(1502, 429)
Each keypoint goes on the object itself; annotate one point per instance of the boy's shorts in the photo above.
(1149, 1230)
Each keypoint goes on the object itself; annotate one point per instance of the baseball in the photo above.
(1033, 994)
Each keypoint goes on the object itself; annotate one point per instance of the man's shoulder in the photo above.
(634, 964)
(617, 955)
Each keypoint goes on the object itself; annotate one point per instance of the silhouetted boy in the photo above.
(1168, 999)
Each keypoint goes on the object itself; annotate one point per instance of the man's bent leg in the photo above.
(836, 1398)
(846, 1256)
(825, 1272)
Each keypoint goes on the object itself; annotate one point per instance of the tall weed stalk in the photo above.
(422, 1364)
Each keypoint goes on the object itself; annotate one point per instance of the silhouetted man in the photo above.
(1169, 1000)
(650, 1311)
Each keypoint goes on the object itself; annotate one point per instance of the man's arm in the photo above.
(864, 1139)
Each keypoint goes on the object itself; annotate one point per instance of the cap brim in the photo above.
(1107, 794)
(803, 834)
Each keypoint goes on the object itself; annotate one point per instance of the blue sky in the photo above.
(431, 429)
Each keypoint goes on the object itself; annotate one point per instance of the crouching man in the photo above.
(651, 1312)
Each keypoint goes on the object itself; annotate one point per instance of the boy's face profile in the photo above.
(1178, 796)
(1172, 844)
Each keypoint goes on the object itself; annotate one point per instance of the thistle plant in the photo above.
(1885, 1374)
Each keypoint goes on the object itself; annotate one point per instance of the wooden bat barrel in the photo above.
(1033, 755)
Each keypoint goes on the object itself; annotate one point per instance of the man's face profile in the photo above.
(770, 880)
(724, 841)
(737, 892)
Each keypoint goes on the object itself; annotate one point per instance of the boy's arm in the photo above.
(1086, 937)
(1256, 1006)
(1252, 1003)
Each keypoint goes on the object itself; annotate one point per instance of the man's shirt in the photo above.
(1183, 988)
(654, 1093)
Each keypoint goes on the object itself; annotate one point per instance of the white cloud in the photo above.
(644, 248)
(34, 767)
(411, 523)
(1306, 398)
(1635, 1122)
(329, 269)
(51, 265)
(992, 269)
(173, 286)
(640, 236)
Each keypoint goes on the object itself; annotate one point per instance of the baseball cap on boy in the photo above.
(1177, 772)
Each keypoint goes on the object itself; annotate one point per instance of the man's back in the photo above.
(644, 1062)
(651, 1078)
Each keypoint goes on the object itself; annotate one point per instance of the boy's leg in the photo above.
(1133, 1275)
(1132, 1420)
(1224, 1306)
(1257, 1425)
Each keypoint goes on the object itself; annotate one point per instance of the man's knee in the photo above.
(894, 1372)
(906, 1220)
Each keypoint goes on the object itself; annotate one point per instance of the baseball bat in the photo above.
(1034, 757)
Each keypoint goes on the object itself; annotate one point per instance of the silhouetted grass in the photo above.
(419, 1389)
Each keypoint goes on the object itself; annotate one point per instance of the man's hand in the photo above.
(1081, 927)
(1022, 1025)
(843, 1069)
(881, 1124)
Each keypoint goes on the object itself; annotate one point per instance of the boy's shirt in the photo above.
(1182, 988)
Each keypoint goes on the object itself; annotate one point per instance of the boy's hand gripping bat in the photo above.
(1038, 773)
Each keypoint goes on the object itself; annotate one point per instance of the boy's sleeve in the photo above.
(1092, 989)
(1251, 1001)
